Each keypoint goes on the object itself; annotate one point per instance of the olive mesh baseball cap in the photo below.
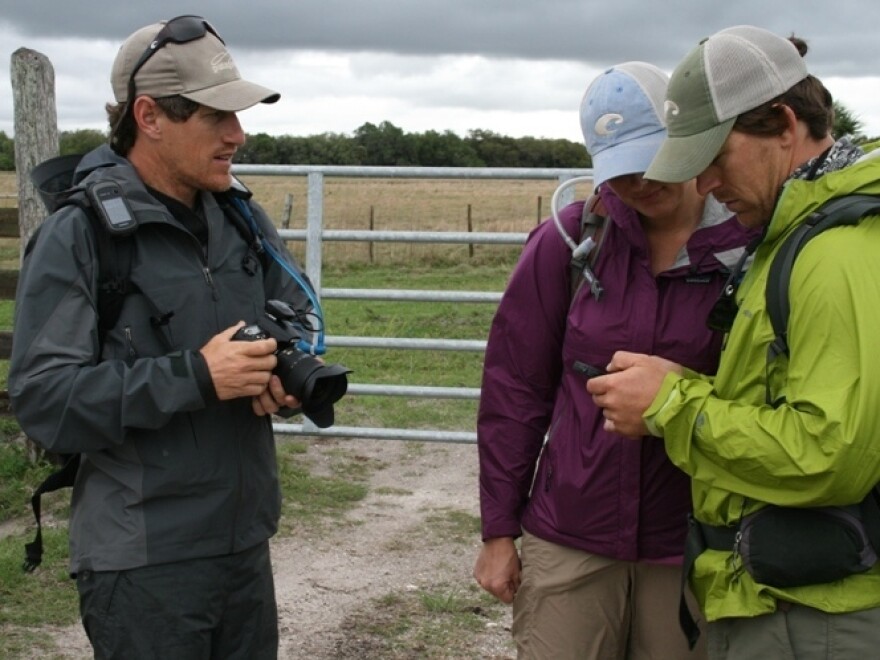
(201, 70)
(727, 74)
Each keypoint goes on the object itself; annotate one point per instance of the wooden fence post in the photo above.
(36, 139)
(287, 211)
(36, 130)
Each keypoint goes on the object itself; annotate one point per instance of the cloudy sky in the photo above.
(516, 67)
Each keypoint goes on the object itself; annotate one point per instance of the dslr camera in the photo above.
(317, 385)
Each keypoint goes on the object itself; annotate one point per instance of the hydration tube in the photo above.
(317, 346)
(586, 246)
(579, 252)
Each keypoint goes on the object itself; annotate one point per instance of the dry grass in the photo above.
(411, 204)
(401, 204)
(424, 204)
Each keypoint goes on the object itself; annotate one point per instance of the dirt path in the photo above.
(393, 544)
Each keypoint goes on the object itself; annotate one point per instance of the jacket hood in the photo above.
(103, 156)
(718, 238)
(57, 178)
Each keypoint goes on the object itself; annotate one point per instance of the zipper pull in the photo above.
(210, 282)
(736, 562)
(129, 342)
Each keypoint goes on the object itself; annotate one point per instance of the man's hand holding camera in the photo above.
(244, 369)
(628, 390)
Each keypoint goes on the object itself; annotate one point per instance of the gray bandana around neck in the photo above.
(842, 153)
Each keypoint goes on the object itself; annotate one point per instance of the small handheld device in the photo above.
(112, 207)
(587, 370)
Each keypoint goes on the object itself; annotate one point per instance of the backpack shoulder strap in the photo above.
(115, 255)
(592, 231)
(847, 210)
(235, 204)
(62, 478)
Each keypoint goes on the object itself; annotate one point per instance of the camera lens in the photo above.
(316, 385)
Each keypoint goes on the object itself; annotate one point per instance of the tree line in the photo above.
(387, 144)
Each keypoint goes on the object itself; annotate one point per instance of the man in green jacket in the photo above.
(746, 118)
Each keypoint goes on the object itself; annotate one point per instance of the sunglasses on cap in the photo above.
(178, 30)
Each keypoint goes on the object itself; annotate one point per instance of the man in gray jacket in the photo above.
(177, 492)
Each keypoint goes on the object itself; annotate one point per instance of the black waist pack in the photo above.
(785, 547)
(789, 547)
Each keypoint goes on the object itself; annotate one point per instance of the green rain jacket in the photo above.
(820, 447)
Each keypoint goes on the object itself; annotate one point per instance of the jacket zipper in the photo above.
(545, 456)
(129, 343)
(206, 270)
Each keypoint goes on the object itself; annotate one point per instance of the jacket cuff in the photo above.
(203, 377)
(666, 396)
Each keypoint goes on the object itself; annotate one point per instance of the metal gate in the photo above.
(314, 236)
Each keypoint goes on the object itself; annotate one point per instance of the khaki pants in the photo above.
(572, 604)
(797, 632)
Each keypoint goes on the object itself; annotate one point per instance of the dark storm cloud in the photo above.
(841, 35)
(518, 67)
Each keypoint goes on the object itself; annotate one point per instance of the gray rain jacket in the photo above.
(168, 471)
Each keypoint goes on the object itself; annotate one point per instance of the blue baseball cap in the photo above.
(622, 119)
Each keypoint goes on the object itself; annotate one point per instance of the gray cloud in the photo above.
(578, 30)
(514, 66)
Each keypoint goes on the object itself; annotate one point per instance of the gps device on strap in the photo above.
(111, 207)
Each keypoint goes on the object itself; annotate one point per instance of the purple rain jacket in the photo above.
(593, 490)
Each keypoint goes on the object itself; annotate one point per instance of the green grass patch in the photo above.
(46, 596)
(411, 319)
(435, 622)
(391, 491)
(7, 310)
(18, 478)
(454, 525)
(26, 644)
(28, 601)
(311, 499)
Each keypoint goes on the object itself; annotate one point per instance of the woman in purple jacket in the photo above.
(602, 518)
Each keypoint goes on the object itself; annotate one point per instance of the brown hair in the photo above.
(810, 101)
(123, 129)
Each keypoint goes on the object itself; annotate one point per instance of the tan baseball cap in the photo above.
(201, 70)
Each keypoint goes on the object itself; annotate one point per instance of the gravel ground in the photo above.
(343, 589)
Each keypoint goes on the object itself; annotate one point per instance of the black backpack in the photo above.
(54, 179)
(846, 210)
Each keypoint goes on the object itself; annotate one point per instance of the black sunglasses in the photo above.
(178, 30)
